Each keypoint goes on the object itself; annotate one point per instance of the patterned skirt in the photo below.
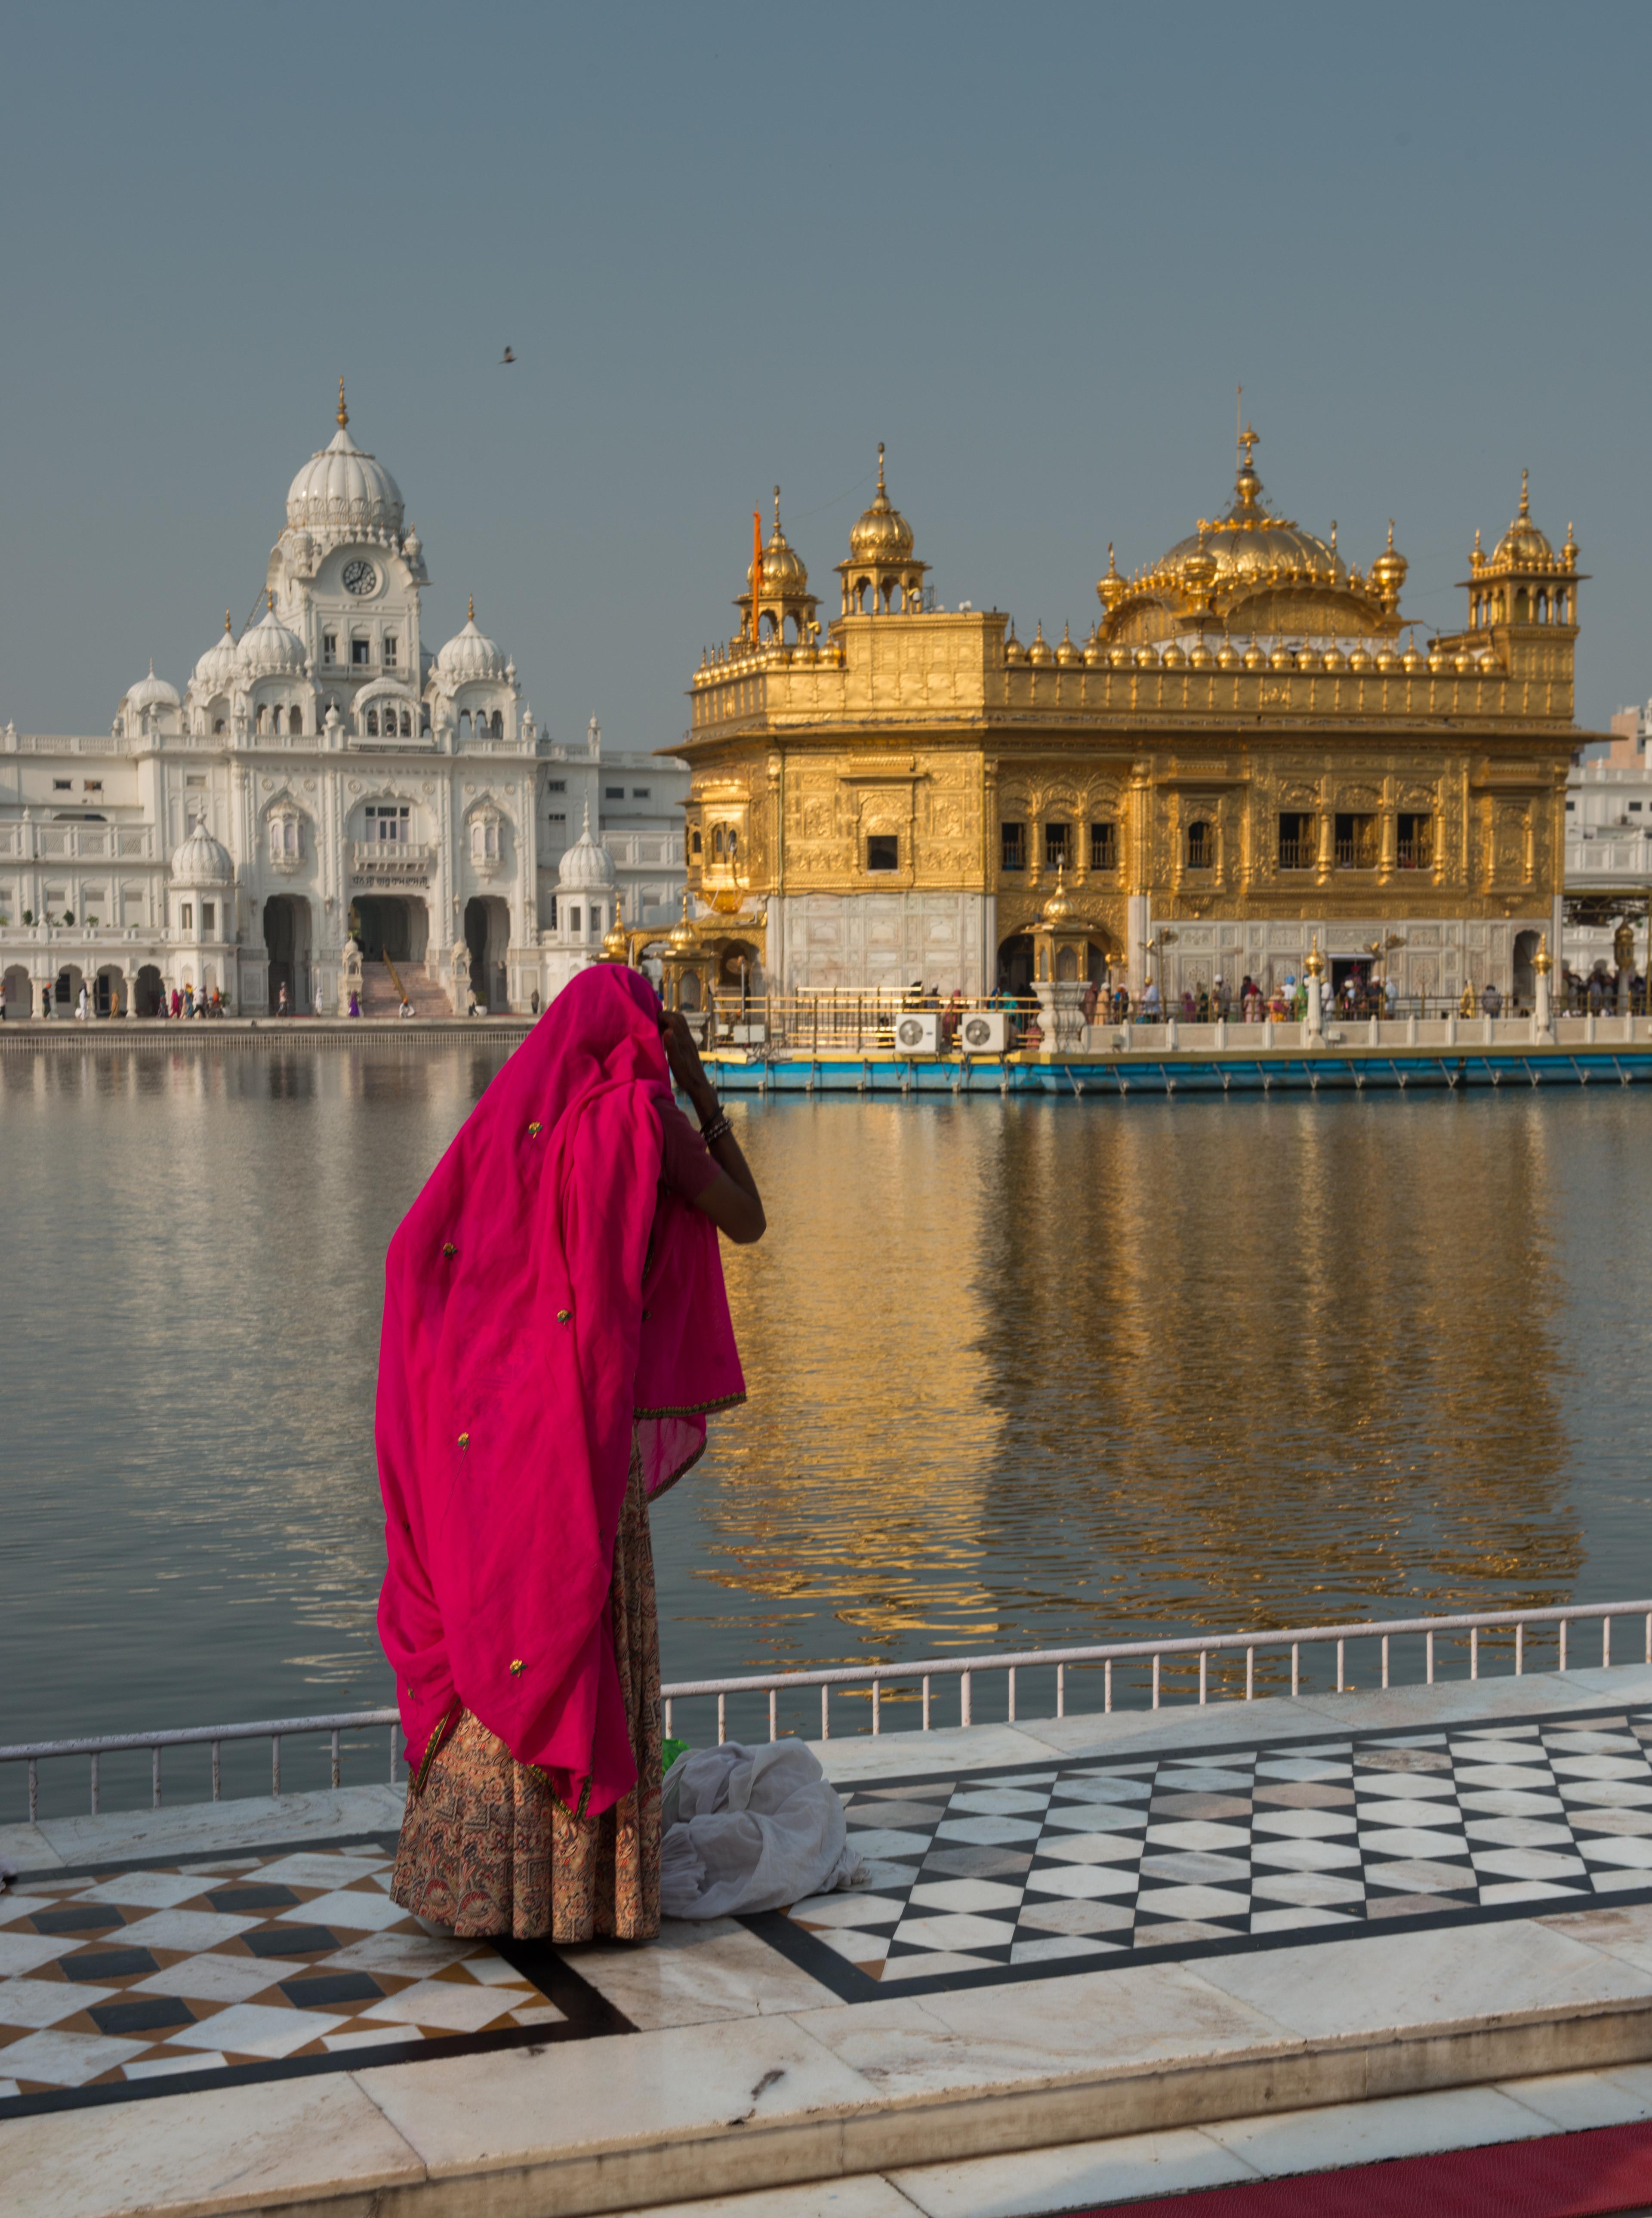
(487, 1848)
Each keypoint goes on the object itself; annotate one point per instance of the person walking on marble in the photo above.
(555, 1334)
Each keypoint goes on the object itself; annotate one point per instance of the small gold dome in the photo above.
(1013, 650)
(1388, 573)
(617, 948)
(1359, 659)
(882, 534)
(683, 940)
(1464, 663)
(1058, 908)
(1173, 657)
(784, 574)
(1438, 660)
(1522, 544)
(1282, 658)
(1333, 658)
(1066, 654)
(1095, 654)
(1147, 657)
(1543, 961)
(1388, 656)
(1414, 659)
(1041, 651)
(1228, 656)
(1200, 657)
(1308, 658)
(1314, 965)
(1253, 657)
(1119, 656)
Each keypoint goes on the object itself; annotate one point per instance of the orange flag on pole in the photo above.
(756, 568)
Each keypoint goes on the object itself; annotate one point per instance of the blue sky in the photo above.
(1033, 250)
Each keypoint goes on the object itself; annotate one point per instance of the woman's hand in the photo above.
(686, 1068)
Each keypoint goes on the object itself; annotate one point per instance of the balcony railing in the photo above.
(386, 860)
(1296, 854)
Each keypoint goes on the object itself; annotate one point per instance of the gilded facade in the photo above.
(1249, 750)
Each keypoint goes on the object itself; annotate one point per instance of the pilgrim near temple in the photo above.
(1245, 754)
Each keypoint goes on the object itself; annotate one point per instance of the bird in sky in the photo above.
(506, 357)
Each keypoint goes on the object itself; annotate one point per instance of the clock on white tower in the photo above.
(360, 577)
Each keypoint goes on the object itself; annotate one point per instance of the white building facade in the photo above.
(1609, 848)
(328, 806)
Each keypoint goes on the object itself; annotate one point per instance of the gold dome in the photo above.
(1095, 650)
(1333, 658)
(1523, 543)
(1388, 656)
(1388, 573)
(1118, 656)
(1013, 650)
(1228, 656)
(1249, 545)
(882, 534)
(1282, 658)
(1147, 657)
(1253, 657)
(1308, 658)
(1314, 965)
(1066, 653)
(784, 574)
(1173, 657)
(683, 940)
(616, 946)
(1041, 651)
(1200, 657)
(1359, 660)
(1058, 908)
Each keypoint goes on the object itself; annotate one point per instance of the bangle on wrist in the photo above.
(718, 1129)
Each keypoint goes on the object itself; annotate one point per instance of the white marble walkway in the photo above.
(749, 2079)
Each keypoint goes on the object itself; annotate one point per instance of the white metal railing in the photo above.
(875, 1677)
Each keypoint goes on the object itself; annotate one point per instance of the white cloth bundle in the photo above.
(751, 1828)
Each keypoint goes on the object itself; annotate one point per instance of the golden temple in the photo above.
(1249, 750)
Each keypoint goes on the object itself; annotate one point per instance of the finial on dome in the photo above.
(228, 625)
(880, 465)
(776, 508)
(1526, 498)
(1477, 548)
(1390, 535)
(152, 665)
(471, 617)
(344, 412)
(1334, 535)
(269, 601)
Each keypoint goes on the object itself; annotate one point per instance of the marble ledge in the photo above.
(201, 1828)
(697, 1974)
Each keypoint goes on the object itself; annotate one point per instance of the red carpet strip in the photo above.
(1562, 2176)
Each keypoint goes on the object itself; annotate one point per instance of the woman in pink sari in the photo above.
(556, 1332)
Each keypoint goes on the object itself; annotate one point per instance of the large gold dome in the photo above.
(783, 571)
(1250, 545)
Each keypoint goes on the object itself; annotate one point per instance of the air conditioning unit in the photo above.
(917, 1033)
(985, 1031)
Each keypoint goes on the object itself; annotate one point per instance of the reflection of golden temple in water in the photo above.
(1243, 753)
(1018, 1379)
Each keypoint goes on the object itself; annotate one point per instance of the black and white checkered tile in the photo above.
(1080, 1864)
(131, 1980)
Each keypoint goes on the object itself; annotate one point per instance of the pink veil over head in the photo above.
(543, 1297)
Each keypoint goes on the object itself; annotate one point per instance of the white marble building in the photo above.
(1609, 844)
(327, 774)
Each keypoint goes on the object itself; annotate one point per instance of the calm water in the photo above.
(1020, 1372)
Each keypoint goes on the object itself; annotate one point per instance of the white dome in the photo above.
(201, 860)
(215, 671)
(342, 489)
(587, 867)
(150, 692)
(471, 654)
(268, 650)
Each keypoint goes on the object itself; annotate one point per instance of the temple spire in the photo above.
(344, 412)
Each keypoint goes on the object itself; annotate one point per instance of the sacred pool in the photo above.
(1023, 1372)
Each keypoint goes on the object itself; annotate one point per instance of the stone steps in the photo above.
(380, 999)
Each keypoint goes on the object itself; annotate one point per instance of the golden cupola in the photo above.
(881, 566)
(782, 594)
(1524, 580)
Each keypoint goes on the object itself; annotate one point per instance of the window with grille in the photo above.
(1356, 842)
(386, 820)
(1014, 846)
(1201, 845)
(1297, 841)
(1103, 846)
(1415, 848)
(883, 850)
(1058, 845)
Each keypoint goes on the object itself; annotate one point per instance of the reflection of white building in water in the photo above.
(327, 773)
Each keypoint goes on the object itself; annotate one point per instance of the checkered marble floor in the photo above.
(119, 1980)
(1003, 1876)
